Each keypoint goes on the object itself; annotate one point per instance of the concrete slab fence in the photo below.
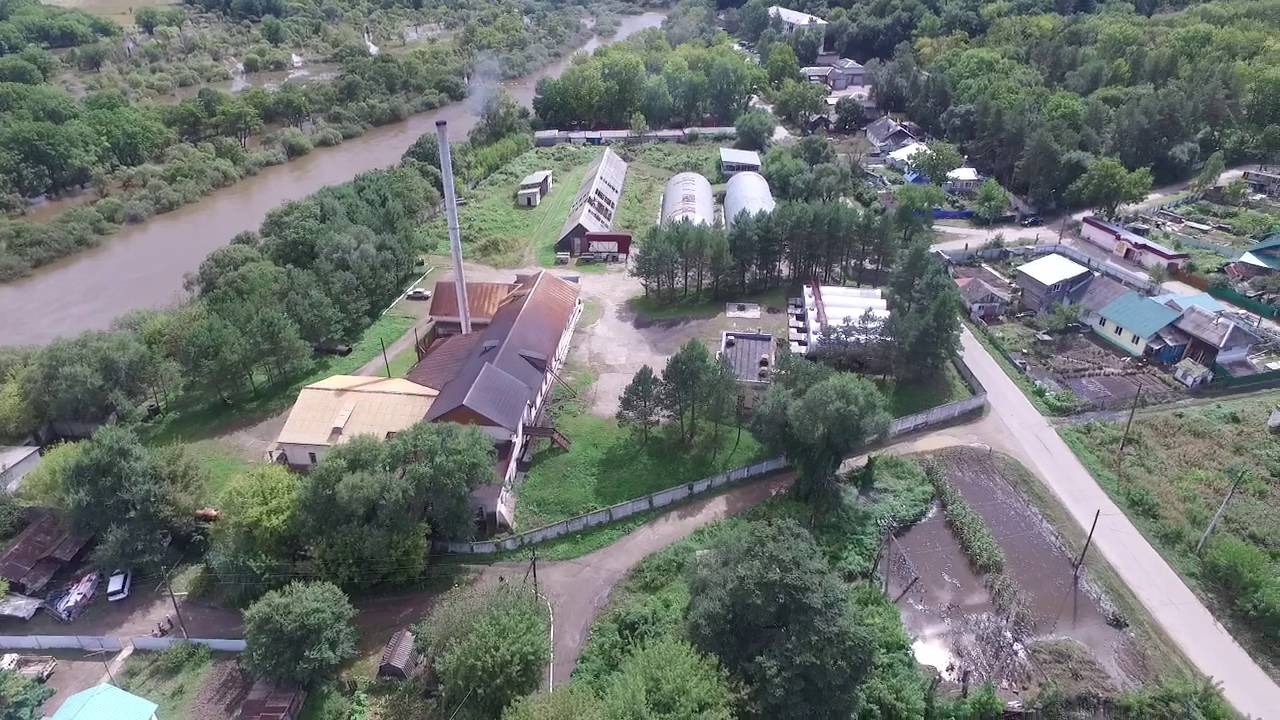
(92, 643)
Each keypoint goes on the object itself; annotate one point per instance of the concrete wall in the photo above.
(110, 643)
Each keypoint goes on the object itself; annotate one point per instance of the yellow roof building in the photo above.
(336, 409)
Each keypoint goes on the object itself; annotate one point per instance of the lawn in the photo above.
(221, 462)
(1177, 468)
(203, 417)
(167, 680)
(402, 361)
(700, 307)
(906, 398)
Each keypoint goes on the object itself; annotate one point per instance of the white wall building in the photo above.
(15, 464)
(793, 20)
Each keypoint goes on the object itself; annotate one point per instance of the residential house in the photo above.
(106, 702)
(1095, 295)
(863, 95)
(751, 355)
(1132, 322)
(483, 299)
(1050, 280)
(687, 197)
(746, 192)
(962, 181)
(734, 161)
(268, 701)
(594, 206)
(840, 74)
(1261, 259)
(533, 188)
(1217, 340)
(45, 546)
(15, 463)
(333, 411)
(1125, 243)
(498, 378)
(793, 20)
(1263, 181)
(985, 292)
(901, 158)
(887, 134)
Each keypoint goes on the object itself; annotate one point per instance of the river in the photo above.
(142, 266)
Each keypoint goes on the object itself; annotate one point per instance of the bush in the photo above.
(1236, 567)
(328, 137)
(1141, 500)
(294, 142)
(1263, 609)
(300, 634)
(138, 210)
(974, 535)
(111, 209)
(180, 655)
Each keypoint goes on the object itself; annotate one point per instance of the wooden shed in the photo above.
(399, 657)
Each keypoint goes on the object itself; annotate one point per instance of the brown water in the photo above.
(949, 611)
(143, 266)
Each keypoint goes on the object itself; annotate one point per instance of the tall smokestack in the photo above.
(455, 237)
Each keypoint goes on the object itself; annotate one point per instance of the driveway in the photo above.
(1015, 427)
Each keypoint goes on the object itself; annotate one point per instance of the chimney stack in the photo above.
(455, 238)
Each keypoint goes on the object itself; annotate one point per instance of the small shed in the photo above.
(734, 161)
(399, 658)
(533, 187)
(269, 701)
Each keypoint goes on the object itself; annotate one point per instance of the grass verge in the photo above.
(907, 398)
(158, 677)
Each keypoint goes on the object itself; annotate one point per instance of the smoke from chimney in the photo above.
(455, 235)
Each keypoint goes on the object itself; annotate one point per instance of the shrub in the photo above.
(1236, 567)
(328, 137)
(180, 655)
(1263, 608)
(1141, 500)
(251, 63)
(111, 209)
(974, 535)
(294, 142)
(138, 210)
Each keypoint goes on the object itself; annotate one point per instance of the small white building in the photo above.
(734, 161)
(15, 464)
(533, 188)
(901, 158)
(830, 306)
(793, 20)
(962, 181)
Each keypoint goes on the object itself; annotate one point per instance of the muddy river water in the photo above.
(143, 266)
(949, 610)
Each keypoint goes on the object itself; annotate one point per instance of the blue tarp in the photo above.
(940, 214)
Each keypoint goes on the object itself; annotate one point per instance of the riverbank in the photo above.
(143, 266)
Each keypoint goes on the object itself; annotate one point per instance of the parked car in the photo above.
(1031, 220)
(118, 585)
(419, 294)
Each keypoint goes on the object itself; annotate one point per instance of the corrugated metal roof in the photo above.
(482, 299)
(443, 359)
(506, 364)
(1139, 315)
(39, 550)
(597, 200)
(735, 156)
(1052, 269)
(535, 178)
(338, 408)
(1215, 330)
(105, 701)
(795, 17)
(746, 192)
(688, 197)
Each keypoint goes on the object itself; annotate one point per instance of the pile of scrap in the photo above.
(40, 550)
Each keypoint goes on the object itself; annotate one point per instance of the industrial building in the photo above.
(829, 306)
(746, 192)
(594, 206)
(687, 197)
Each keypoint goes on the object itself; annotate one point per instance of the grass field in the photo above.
(1177, 468)
(174, 689)
(906, 398)
(209, 417)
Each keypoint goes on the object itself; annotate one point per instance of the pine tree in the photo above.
(639, 406)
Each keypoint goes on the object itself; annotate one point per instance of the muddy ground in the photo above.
(949, 608)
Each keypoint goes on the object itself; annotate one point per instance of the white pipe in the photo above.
(455, 236)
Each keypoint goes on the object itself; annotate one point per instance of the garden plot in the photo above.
(952, 612)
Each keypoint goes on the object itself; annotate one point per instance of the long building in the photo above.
(746, 192)
(688, 197)
(594, 206)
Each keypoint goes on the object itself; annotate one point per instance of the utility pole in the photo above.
(1124, 439)
(169, 586)
(1075, 575)
(385, 364)
(1240, 476)
(534, 550)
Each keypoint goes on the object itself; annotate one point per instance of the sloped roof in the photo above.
(1139, 315)
(505, 365)
(597, 200)
(399, 652)
(535, 178)
(880, 130)
(1052, 269)
(906, 152)
(443, 360)
(739, 157)
(795, 17)
(341, 407)
(1215, 330)
(1098, 292)
(974, 289)
(105, 702)
(847, 65)
(43, 546)
(963, 173)
(482, 299)
(1202, 300)
(815, 70)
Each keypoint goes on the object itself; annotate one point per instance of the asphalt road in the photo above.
(1014, 425)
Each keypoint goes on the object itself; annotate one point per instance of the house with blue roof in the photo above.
(1134, 323)
(106, 702)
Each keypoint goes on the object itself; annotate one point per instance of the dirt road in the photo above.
(1014, 426)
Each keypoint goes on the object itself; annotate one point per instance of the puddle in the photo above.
(949, 612)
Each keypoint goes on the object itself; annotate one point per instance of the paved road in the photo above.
(1014, 426)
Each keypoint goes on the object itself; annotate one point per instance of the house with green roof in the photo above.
(106, 702)
(1261, 259)
(1135, 324)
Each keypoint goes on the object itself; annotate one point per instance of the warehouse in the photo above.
(746, 192)
(688, 197)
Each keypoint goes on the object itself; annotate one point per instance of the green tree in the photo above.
(990, 202)
(755, 129)
(685, 390)
(21, 697)
(258, 533)
(491, 647)
(1106, 185)
(273, 30)
(668, 678)
(1235, 192)
(936, 161)
(798, 101)
(849, 114)
(1209, 174)
(771, 610)
(782, 65)
(568, 702)
(924, 324)
(753, 18)
(913, 211)
(640, 405)
(300, 634)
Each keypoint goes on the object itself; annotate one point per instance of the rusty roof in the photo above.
(40, 549)
(483, 299)
(505, 366)
(443, 359)
(269, 701)
(399, 652)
